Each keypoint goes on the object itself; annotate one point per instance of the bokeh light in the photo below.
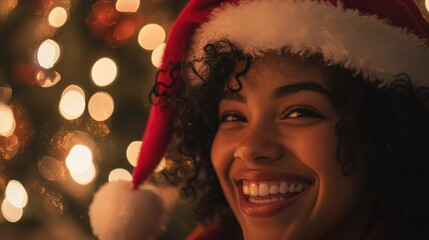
(57, 17)
(120, 174)
(47, 77)
(16, 194)
(157, 55)
(127, 5)
(72, 103)
(5, 93)
(7, 121)
(10, 212)
(101, 106)
(133, 151)
(48, 53)
(85, 177)
(151, 36)
(104, 72)
(51, 169)
(79, 160)
(427, 5)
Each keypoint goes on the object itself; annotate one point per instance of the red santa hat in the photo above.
(376, 38)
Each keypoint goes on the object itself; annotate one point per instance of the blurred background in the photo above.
(74, 82)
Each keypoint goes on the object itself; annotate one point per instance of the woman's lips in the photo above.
(264, 193)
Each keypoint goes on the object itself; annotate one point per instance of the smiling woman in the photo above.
(309, 129)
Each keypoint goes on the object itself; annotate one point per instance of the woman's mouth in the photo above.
(264, 194)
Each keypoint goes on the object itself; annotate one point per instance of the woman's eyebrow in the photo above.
(233, 96)
(286, 90)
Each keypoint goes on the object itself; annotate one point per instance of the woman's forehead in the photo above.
(285, 66)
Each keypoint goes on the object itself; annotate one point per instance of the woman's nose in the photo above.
(259, 145)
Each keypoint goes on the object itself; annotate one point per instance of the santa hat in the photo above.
(378, 39)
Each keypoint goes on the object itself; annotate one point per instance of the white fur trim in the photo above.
(366, 44)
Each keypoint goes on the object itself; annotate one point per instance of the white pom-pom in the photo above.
(118, 212)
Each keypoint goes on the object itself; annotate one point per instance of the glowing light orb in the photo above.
(7, 121)
(127, 5)
(157, 55)
(120, 174)
(5, 93)
(47, 77)
(48, 53)
(16, 194)
(79, 159)
(10, 212)
(51, 169)
(133, 151)
(427, 5)
(85, 177)
(101, 106)
(72, 103)
(57, 17)
(104, 72)
(151, 36)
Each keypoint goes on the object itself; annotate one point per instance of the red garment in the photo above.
(380, 230)
(217, 231)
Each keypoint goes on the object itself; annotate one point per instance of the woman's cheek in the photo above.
(221, 153)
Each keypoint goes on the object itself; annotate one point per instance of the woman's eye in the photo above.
(300, 112)
(231, 117)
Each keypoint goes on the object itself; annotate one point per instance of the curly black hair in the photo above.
(387, 124)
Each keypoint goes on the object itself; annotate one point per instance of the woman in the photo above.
(304, 119)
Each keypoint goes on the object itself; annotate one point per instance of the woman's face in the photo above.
(275, 156)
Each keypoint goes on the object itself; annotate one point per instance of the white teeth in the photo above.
(283, 188)
(254, 189)
(263, 189)
(292, 188)
(274, 189)
(246, 189)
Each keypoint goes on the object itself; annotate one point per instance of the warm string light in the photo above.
(57, 17)
(80, 164)
(119, 174)
(101, 106)
(157, 55)
(151, 36)
(48, 53)
(129, 6)
(7, 121)
(15, 200)
(133, 151)
(5, 94)
(104, 72)
(79, 159)
(10, 212)
(85, 177)
(72, 102)
(16, 194)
